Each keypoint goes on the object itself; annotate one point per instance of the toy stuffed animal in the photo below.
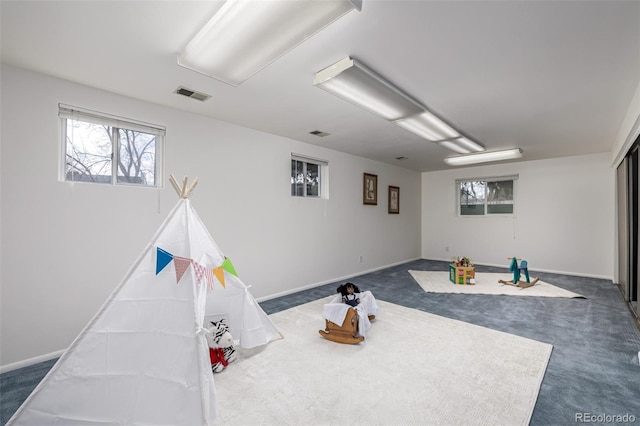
(220, 341)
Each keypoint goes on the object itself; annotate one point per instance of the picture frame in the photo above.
(370, 189)
(394, 200)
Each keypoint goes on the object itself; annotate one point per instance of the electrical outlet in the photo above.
(446, 249)
(360, 258)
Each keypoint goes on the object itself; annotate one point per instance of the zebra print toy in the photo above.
(220, 341)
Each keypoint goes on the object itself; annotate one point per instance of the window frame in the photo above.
(323, 176)
(117, 123)
(487, 180)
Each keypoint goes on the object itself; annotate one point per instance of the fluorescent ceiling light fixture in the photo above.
(428, 126)
(455, 147)
(245, 36)
(353, 82)
(350, 80)
(462, 145)
(469, 144)
(484, 157)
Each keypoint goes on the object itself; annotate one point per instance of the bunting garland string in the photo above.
(163, 258)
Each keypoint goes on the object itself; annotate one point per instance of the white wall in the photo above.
(564, 218)
(66, 246)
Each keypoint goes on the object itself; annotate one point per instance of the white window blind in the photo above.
(306, 159)
(487, 179)
(75, 113)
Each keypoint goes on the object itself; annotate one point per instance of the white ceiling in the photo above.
(553, 78)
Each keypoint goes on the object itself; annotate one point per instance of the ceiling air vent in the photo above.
(319, 133)
(192, 94)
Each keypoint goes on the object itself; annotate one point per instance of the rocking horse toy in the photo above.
(349, 315)
(517, 270)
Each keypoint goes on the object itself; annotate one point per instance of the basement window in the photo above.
(487, 196)
(106, 149)
(309, 177)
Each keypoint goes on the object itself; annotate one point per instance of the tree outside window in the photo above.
(306, 178)
(96, 151)
(480, 197)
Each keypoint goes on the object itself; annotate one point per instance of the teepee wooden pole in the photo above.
(184, 187)
(192, 186)
(174, 182)
(184, 191)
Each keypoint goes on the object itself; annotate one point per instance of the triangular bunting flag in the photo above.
(228, 266)
(199, 270)
(163, 258)
(219, 273)
(208, 273)
(181, 266)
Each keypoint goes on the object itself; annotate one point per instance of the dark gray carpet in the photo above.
(593, 367)
(16, 385)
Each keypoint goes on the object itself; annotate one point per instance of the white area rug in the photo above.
(486, 283)
(414, 368)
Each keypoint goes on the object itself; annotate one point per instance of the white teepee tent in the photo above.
(143, 358)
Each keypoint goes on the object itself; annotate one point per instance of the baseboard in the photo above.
(30, 361)
(550, 271)
(332, 280)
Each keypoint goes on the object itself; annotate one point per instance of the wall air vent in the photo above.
(192, 94)
(319, 133)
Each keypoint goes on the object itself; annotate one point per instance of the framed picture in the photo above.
(370, 189)
(394, 200)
